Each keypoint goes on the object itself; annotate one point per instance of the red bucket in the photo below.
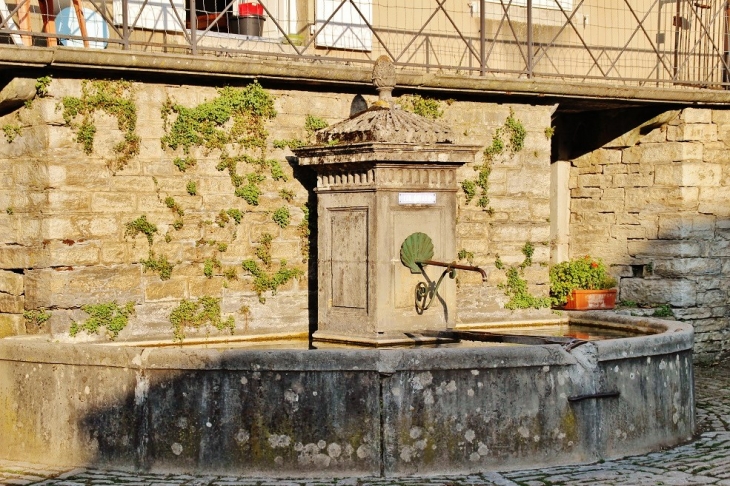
(250, 9)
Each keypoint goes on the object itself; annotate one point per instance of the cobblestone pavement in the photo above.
(705, 461)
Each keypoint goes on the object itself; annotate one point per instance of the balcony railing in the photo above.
(653, 43)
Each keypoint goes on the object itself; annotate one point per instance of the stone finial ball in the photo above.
(384, 73)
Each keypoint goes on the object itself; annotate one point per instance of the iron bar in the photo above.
(482, 38)
(580, 398)
(530, 55)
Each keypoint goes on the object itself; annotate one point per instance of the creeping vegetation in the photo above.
(35, 318)
(265, 280)
(160, 265)
(516, 287)
(508, 139)
(141, 225)
(281, 217)
(115, 99)
(41, 86)
(11, 131)
(206, 311)
(426, 107)
(109, 315)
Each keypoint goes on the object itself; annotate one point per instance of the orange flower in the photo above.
(594, 265)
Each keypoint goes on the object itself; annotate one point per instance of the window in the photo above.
(157, 14)
(348, 28)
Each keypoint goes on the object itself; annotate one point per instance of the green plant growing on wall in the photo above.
(287, 195)
(210, 266)
(236, 214)
(9, 210)
(549, 132)
(41, 86)
(664, 310)
(35, 318)
(281, 217)
(115, 99)
(184, 163)
(192, 188)
(108, 315)
(160, 265)
(206, 311)
(141, 225)
(264, 281)
(293, 143)
(510, 139)
(516, 287)
(234, 120)
(425, 107)
(304, 233)
(466, 255)
(176, 208)
(313, 124)
(11, 131)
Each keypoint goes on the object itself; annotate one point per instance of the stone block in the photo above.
(697, 115)
(720, 248)
(661, 198)
(110, 202)
(632, 180)
(614, 193)
(687, 267)
(720, 117)
(689, 174)
(686, 226)
(593, 180)
(663, 153)
(714, 200)
(614, 169)
(62, 202)
(665, 249)
(712, 297)
(628, 232)
(689, 132)
(18, 257)
(12, 304)
(11, 325)
(657, 135)
(113, 253)
(11, 283)
(66, 287)
(157, 290)
(529, 183)
(201, 286)
(677, 293)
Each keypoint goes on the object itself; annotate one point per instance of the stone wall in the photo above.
(65, 239)
(657, 209)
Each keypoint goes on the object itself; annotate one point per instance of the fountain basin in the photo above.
(348, 412)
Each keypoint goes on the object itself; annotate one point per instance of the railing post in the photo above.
(530, 52)
(482, 38)
(125, 25)
(193, 27)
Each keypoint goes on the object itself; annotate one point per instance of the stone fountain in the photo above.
(382, 175)
(386, 211)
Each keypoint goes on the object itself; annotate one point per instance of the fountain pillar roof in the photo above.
(385, 132)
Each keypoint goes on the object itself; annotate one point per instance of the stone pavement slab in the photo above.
(706, 461)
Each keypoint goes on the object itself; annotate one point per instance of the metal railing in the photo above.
(661, 43)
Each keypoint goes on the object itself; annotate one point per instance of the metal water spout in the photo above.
(415, 253)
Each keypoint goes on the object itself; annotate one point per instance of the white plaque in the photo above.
(416, 198)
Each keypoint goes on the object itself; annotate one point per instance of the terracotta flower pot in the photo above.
(591, 299)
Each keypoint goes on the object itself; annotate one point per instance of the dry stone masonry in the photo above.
(65, 220)
(657, 208)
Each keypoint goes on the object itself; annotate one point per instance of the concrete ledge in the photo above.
(334, 72)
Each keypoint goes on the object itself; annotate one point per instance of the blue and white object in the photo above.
(68, 24)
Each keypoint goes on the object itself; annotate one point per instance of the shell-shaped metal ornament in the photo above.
(416, 248)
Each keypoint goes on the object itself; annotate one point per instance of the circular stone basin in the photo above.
(281, 409)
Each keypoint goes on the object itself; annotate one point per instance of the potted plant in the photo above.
(581, 284)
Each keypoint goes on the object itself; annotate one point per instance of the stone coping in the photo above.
(668, 337)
